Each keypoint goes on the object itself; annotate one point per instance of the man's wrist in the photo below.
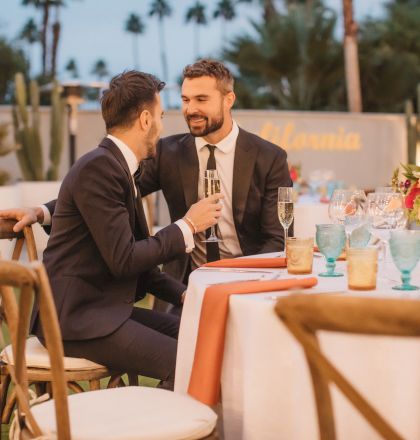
(39, 214)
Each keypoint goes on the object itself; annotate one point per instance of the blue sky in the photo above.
(94, 29)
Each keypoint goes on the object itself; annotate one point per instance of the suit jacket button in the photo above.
(129, 300)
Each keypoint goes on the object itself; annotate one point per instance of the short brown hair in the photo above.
(213, 68)
(128, 95)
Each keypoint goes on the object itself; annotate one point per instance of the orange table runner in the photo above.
(249, 262)
(207, 366)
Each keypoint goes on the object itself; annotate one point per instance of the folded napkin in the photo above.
(342, 256)
(207, 366)
(249, 262)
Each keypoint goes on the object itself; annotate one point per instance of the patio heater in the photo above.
(74, 93)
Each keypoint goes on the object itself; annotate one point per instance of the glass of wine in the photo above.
(211, 186)
(285, 208)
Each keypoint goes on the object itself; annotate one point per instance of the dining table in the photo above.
(266, 388)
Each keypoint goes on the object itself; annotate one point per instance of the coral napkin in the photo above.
(248, 262)
(207, 366)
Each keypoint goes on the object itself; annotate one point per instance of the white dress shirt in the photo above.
(225, 156)
(133, 164)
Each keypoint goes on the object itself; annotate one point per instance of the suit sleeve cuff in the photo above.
(188, 235)
(47, 216)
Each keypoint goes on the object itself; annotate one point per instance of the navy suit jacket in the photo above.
(100, 257)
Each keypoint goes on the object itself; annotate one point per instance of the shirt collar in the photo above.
(226, 145)
(128, 154)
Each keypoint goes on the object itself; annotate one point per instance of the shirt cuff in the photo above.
(188, 235)
(47, 216)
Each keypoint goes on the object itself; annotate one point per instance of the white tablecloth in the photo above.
(266, 386)
(307, 213)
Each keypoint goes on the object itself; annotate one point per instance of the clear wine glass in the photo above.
(285, 209)
(385, 212)
(348, 207)
(211, 186)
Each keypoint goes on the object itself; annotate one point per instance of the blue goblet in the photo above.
(330, 240)
(405, 251)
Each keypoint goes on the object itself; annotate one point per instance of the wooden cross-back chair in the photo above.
(38, 366)
(127, 412)
(304, 315)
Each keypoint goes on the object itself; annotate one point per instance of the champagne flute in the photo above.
(211, 186)
(285, 208)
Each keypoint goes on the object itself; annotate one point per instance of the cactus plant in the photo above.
(27, 131)
(4, 149)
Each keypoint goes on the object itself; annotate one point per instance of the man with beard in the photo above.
(250, 168)
(100, 258)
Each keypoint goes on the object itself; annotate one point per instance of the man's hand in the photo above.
(25, 216)
(205, 213)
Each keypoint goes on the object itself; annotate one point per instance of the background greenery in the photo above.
(292, 60)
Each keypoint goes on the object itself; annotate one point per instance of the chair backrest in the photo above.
(26, 236)
(304, 315)
(30, 280)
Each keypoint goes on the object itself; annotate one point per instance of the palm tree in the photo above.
(135, 26)
(313, 76)
(30, 34)
(351, 58)
(196, 14)
(44, 5)
(49, 51)
(100, 69)
(72, 68)
(269, 8)
(226, 11)
(161, 9)
(56, 30)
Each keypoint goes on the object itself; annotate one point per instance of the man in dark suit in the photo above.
(100, 258)
(250, 168)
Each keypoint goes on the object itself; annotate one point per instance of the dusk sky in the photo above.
(93, 29)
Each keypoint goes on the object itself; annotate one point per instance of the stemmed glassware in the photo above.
(285, 209)
(405, 251)
(348, 207)
(211, 186)
(330, 240)
(385, 212)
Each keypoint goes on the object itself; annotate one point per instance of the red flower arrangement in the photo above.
(407, 182)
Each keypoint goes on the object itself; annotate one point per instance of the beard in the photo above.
(210, 126)
(151, 143)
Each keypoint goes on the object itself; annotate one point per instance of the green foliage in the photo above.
(27, 131)
(294, 62)
(197, 14)
(389, 51)
(11, 61)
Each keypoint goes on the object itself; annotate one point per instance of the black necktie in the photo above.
(212, 248)
(141, 218)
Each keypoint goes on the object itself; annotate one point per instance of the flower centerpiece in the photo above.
(406, 180)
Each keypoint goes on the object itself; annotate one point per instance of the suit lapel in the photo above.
(243, 168)
(188, 168)
(110, 146)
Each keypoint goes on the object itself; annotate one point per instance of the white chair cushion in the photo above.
(130, 413)
(37, 357)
